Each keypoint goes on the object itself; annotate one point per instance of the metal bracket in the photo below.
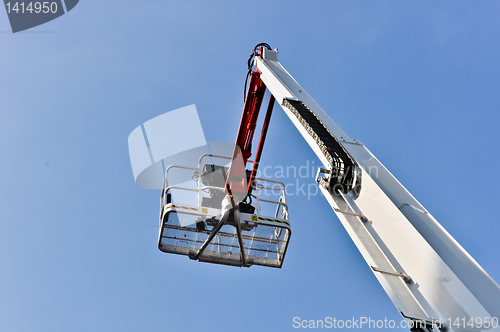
(403, 275)
(362, 217)
(350, 141)
(413, 207)
(321, 171)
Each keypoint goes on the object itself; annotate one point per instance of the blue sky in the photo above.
(416, 82)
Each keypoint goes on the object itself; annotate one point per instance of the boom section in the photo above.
(428, 276)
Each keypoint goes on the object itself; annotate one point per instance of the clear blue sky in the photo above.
(416, 81)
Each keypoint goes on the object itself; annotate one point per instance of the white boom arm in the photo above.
(426, 273)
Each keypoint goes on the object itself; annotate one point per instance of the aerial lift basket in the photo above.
(209, 233)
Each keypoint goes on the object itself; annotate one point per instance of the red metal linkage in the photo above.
(253, 101)
(243, 148)
(261, 144)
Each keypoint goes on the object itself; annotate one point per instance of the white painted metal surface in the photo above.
(425, 272)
